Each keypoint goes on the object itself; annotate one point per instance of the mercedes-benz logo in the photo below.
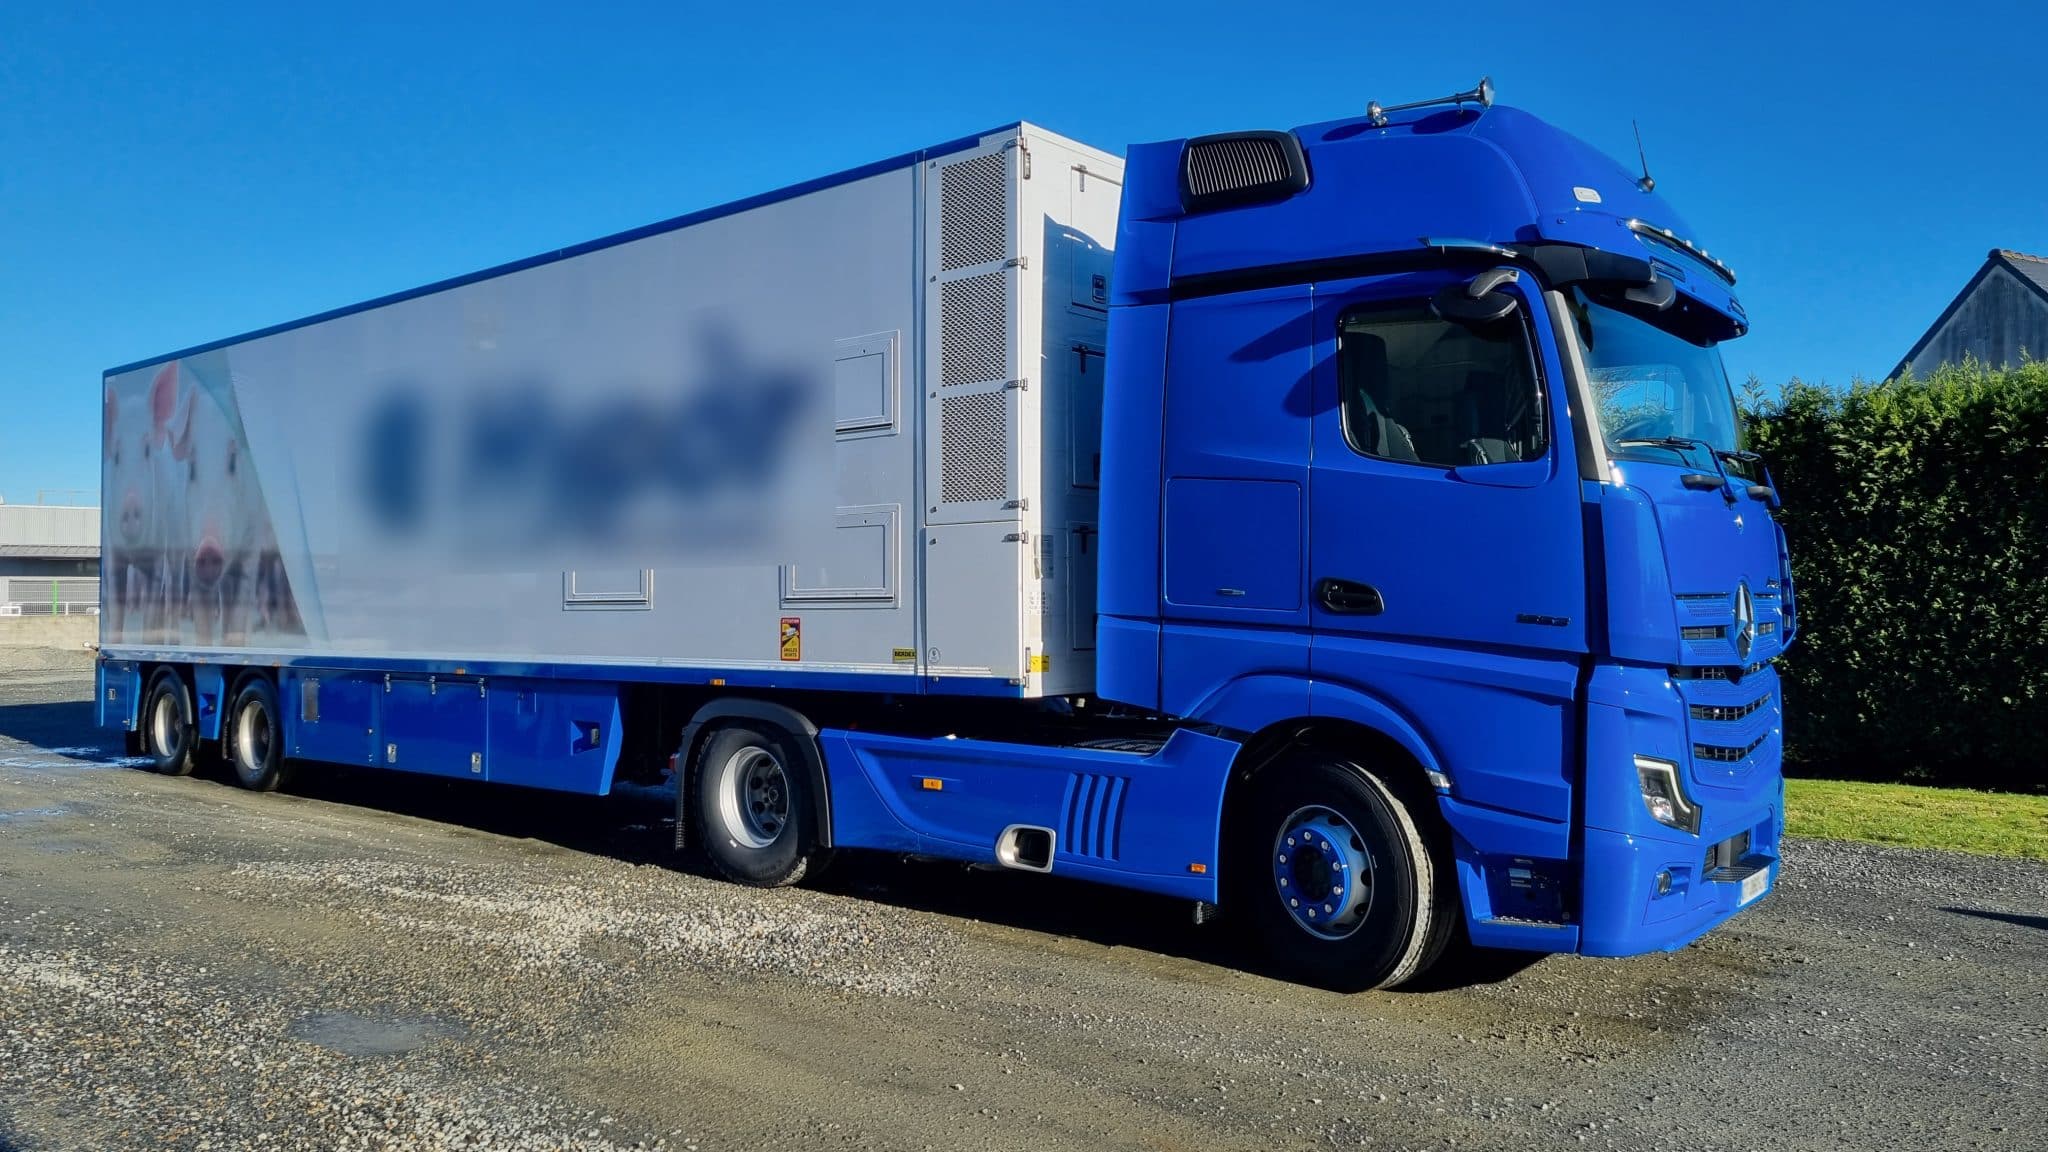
(1745, 622)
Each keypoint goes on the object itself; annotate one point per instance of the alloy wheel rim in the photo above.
(1322, 872)
(252, 736)
(753, 797)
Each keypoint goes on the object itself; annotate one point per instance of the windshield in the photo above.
(1649, 384)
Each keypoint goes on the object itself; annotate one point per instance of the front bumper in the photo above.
(1651, 895)
(1646, 887)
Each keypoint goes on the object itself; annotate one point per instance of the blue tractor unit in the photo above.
(1346, 529)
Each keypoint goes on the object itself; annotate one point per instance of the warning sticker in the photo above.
(903, 656)
(1039, 662)
(792, 638)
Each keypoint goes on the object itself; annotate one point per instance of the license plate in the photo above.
(1755, 886)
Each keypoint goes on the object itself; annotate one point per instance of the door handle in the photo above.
(1349, 598)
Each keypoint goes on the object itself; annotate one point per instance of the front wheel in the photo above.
(1346, 888)
(756, 817)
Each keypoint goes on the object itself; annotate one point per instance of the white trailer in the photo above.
(840, 436)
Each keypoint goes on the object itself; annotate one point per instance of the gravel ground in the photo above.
(377, 962)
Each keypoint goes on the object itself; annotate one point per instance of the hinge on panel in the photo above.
(1017, 538)
(1017, 262)
(1020, 384)
(1020, 505)
(1023, 155)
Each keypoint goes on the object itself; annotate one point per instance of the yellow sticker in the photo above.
(904, 656)
(1040, 662)
(792, 638)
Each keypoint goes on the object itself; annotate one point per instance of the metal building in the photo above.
(49, 559)
(2001, 314)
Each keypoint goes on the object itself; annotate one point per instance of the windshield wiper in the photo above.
(1693, 443)
(1672, 442)
(1728, 455)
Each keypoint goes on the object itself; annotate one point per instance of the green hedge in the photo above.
(1917, 511)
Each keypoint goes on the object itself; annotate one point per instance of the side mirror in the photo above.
(1477, 302)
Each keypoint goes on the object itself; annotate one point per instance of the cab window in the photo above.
(1417, 389)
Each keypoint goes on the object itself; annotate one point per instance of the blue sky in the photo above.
(170, 175)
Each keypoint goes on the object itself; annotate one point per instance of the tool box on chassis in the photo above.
(1365, 581)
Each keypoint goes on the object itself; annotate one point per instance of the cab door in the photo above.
(1233, 494)
(1446, 564)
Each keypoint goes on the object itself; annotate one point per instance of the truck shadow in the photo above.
(636, 824)
(70, 725)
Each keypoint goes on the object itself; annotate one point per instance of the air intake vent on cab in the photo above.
(1238, 168)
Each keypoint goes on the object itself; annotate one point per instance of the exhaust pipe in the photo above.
(1025, 847)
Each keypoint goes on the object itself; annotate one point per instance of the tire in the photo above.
(255, 737)
(1289, 869)
(755, 814)
(168, 737)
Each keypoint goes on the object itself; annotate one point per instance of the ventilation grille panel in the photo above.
(974, 211)
(1237, 168)
(1722, 713)
(1094, 824)
(1231, 165)
(974, 450)
(1719, 754)
(974, 330)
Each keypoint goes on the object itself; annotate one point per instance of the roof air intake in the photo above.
(1239, 168)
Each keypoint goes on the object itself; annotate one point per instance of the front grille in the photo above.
(1711, 672)
(1724, 712)
(1704, 631)
(1722, 754)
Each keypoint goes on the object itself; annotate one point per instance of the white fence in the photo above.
(50, 596)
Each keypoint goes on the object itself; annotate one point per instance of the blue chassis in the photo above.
(1146, 822)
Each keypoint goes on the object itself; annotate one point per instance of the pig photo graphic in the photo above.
(191, 557)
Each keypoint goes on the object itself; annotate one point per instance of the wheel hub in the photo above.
(753, 797)
(164, 727)
(252, 735)
(1322, 872)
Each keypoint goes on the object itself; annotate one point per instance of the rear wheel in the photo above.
(254, 739)
(1346, 888)
(167, 732)
(755, 813)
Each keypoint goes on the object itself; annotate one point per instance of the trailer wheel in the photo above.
(255, 738)
(1346, 889)
(755, 815)
(167, 732)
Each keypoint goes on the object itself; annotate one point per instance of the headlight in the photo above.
(1665, 796)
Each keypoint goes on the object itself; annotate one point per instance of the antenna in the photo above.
(1648, 183)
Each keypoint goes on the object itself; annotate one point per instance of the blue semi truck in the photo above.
(1345, 529)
